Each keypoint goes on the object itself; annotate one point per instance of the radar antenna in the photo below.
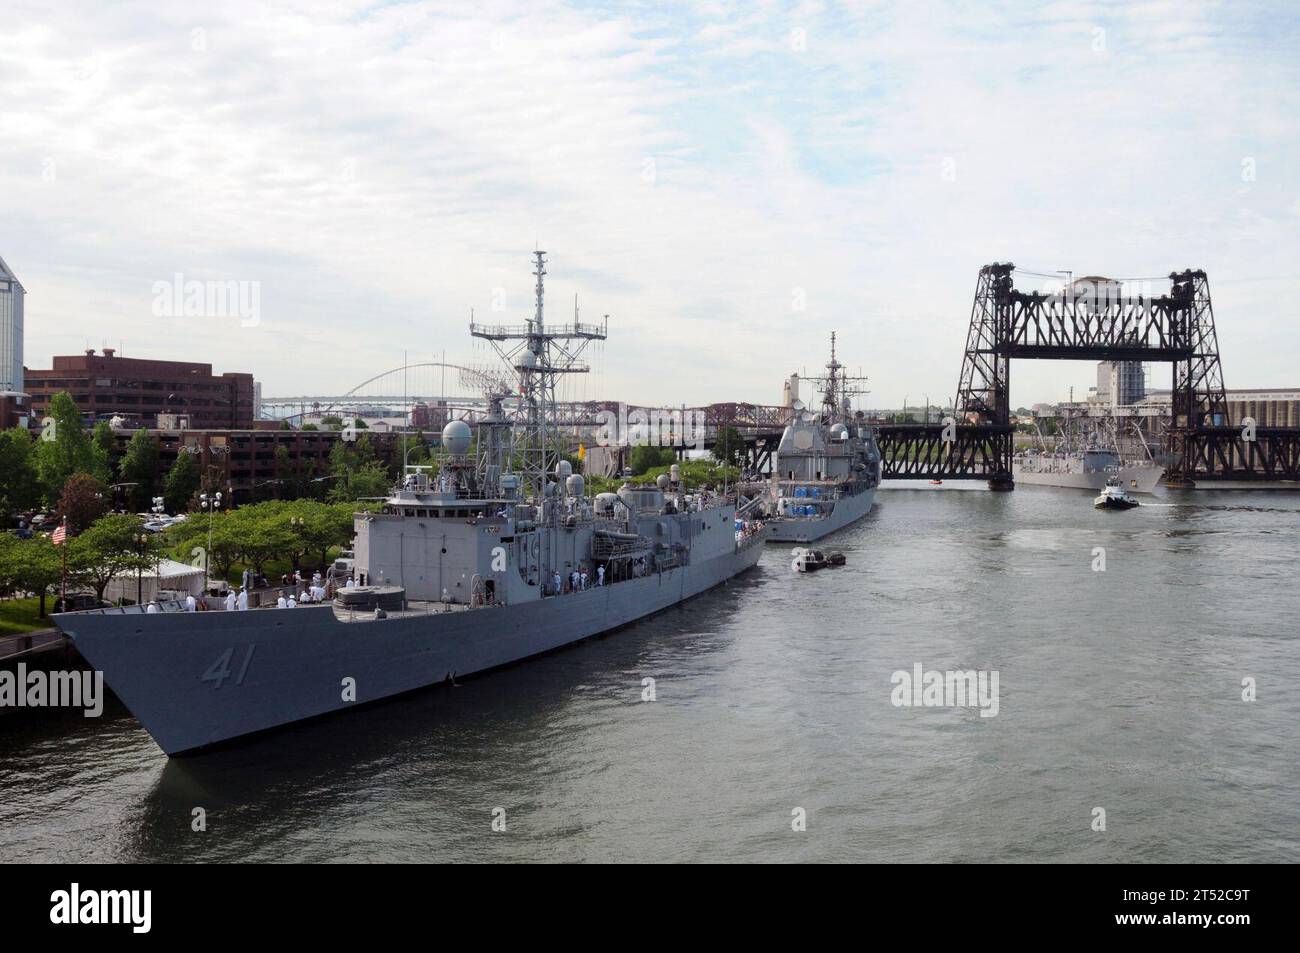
(537, 357)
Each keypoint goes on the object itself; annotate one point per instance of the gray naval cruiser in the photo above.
(499, 556)
(827, 465)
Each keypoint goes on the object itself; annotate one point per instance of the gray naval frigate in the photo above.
(1087, 469)
(827, 465)
(499, 556)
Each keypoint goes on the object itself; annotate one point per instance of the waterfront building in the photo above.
(107, 385)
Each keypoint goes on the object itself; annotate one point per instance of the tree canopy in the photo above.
(139, 467)
(64, 447)
(182, 483)
(19, 482)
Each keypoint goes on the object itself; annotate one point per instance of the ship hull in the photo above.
(197, 679)
(848, 510)
(1133, 479)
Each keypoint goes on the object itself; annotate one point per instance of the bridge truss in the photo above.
(1093, 321)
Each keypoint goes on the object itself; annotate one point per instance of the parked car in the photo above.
(79, 602)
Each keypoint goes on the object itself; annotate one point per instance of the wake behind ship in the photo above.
(500, 557)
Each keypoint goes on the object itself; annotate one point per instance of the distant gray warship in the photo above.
(1084, 470)
(827, 465)
(476, 564)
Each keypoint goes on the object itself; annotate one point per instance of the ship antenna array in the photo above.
(537, 357)
(837, 387)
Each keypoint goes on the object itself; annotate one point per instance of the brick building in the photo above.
(243, 463)
(105, 385)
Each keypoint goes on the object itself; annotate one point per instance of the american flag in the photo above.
(60, 535)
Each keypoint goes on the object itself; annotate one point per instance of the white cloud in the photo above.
(381, 169)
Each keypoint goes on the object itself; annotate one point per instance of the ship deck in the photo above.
(413, 608)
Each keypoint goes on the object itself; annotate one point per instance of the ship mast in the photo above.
(838, 389)
(538, 356)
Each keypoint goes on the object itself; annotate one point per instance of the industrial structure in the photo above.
(1203, 440)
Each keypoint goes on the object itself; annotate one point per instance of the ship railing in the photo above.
(501, 332)
(605, 548)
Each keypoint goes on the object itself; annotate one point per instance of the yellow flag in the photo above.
(582, 452)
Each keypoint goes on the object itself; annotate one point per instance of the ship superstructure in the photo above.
(498, 556)
(827, 465)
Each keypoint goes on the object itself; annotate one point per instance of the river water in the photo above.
(1118, 690)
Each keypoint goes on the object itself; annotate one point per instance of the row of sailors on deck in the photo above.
(579, 580)
(238, 602)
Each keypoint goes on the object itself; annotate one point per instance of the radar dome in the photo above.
(456, 437)
(575, 484)
(661, 481)
(563, 469)
(527, 359)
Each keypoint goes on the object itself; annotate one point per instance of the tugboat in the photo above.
(1114, 497)
(810, 560)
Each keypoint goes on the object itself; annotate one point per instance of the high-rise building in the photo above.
(11, 346)
(11, 331)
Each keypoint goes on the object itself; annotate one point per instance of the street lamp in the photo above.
(210, 504)
(298, 524)
(143, 540)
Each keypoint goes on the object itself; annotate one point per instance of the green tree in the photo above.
(319, 527)
(30, 565)
(64, 447)
(644, 457)
(293, 474)
(110, 548)
(20, 486)
(356, 470)
(370, 480)
(729, 446)
(140, 467)
(189, 541)
(264, 534)
(84, 500)
(182, 483)
(104, 447)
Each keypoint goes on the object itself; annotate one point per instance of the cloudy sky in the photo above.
(730, 182)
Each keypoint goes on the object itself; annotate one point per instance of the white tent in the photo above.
(168, 574)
